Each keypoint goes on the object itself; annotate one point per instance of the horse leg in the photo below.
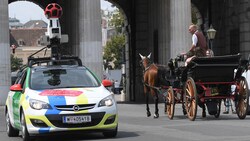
(156, 98)
(183, 105)
(147, 107)
(148, 110)
(203, 110)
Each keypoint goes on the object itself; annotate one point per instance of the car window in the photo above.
(62, 78)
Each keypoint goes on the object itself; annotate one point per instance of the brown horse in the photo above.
(150, 75)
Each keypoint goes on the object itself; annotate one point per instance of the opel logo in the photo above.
(76, 108)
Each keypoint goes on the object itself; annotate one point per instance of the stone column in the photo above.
(70, 25)
(5, 52)
(180, 19)
(164, 36)
(90, 50)
(244, 25)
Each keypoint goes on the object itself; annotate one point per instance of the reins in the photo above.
(146, 84)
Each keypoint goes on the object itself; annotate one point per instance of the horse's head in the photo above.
(145, 60)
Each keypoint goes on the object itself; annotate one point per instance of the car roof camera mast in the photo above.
(53, 37)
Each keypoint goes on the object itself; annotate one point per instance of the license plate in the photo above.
(76, 119)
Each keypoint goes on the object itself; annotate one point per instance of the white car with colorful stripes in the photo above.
(59, 98)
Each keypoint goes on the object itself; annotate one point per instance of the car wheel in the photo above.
(25, 134)
(11, 131)
(111, 134)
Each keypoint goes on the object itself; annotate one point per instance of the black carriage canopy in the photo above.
(217, 68)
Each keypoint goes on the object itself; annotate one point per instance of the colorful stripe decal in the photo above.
(60, 100)
(82, 99)
(44, 130)
(71, 93)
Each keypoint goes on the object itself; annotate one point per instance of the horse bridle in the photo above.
(147, 67)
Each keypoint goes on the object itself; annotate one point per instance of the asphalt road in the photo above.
(135, 126)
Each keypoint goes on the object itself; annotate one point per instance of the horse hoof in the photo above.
(156, 115)
(148, 114)
(184, 112)
(203, 115)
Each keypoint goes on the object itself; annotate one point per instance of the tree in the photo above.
(194, 18)
(113, 51)
(16, 63)
(117, 21)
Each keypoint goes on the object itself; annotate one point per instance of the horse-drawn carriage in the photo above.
(205, 82)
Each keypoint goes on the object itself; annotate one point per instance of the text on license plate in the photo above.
(76, 119)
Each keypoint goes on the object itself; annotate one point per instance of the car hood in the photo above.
(69, 96)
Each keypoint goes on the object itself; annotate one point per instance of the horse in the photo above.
(152, 77)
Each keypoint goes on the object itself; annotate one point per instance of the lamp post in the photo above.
(211, 32)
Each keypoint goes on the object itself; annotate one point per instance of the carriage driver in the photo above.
(199, 44)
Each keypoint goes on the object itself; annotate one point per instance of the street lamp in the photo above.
(211, 32)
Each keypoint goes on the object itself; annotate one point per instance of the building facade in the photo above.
(159, 27)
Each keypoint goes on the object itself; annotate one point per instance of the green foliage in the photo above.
(194, 18)
(16, 63)
(113, 52)
(117, 21)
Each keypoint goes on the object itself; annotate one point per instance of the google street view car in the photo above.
(58, 94)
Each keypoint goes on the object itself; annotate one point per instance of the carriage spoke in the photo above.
(191, 105)
(242, 101)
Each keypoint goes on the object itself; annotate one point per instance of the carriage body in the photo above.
(210, 80)
(206, 81)
(214, 69)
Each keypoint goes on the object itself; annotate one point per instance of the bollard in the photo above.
(122, 96)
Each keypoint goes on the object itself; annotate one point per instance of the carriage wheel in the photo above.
(170, 103)
(242, 99)
(217, 115)
(191, 99)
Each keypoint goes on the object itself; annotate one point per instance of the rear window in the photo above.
(62, 78)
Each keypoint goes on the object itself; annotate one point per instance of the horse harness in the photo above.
(144, 71)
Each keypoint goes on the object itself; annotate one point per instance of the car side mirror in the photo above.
(106, 83)
(16, 87)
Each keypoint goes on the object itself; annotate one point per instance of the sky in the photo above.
(20, 11)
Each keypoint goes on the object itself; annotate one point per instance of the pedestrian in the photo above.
(116, 87)
(199, 44)
(228, 104)
(13, 48)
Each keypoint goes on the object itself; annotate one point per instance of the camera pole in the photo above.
(53, 12)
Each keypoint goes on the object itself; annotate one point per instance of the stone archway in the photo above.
(127, 31)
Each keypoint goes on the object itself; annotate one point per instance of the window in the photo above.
(20, 42)
(62, 78)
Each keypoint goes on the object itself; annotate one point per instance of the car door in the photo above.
(15, 96)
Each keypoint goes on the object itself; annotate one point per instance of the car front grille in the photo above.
(75, 107)
(57, 120)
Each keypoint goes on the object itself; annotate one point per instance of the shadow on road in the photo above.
(86, 136)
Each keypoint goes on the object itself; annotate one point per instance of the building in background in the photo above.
(26, 38)
(14, 23)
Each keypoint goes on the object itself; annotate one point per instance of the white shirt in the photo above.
(194, 39)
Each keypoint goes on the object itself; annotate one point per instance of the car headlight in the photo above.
(38, 105)
(107, 101)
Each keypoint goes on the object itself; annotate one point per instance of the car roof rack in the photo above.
(64, 60)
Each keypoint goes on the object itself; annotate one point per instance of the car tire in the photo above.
(11, 131)
(111, 134)
(24, 131)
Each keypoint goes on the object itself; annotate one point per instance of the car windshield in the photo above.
(62, 78)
